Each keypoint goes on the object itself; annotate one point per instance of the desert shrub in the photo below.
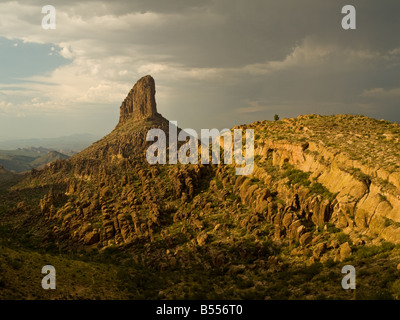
(297, 177)
(369, 251)
(390, 222)
(331, 228)
(396, 289)
(382, 294)
(318, 188)
(343, 238)
(16, 264)
(312, 270)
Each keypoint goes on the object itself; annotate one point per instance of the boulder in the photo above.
(344, 251)
(306, 239)
(91, 238)
(202, 239)
(319, 250)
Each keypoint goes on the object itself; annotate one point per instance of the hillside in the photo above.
(8, 178)
(324, 193)
(48, 158)
(24, 159)
(354, 158)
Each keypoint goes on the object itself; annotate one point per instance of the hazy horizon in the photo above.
(82, 134)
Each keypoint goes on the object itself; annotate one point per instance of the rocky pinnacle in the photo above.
(140, 103)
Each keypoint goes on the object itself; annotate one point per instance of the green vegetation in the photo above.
(25, 159)
(318, 188)
(332, 228)
(356, 172)
(297, 177)
(343, 238)
(390, 222)
(370, 251)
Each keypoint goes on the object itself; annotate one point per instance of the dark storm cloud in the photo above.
(223, 62)
(223, 33)
(233, 33)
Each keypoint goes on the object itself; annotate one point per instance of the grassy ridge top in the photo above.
(370, 141)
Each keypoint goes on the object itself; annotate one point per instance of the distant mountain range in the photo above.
(24, 159)
(68, 145)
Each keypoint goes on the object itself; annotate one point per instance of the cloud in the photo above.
(221, 58)
(253, 106)
(382, 93)
(5, 106)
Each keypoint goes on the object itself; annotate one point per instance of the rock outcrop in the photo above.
(138, 115)
(140, 103)
(345, 155)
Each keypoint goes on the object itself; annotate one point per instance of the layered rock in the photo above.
(366, 201)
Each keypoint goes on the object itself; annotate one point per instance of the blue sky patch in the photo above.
(19, 60)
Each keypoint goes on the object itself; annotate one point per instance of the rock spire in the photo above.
(140, 103)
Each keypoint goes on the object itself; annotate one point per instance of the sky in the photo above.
(216, 63)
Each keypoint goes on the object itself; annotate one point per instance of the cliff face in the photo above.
(138, 115)
(366, 191)
(140, 103)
